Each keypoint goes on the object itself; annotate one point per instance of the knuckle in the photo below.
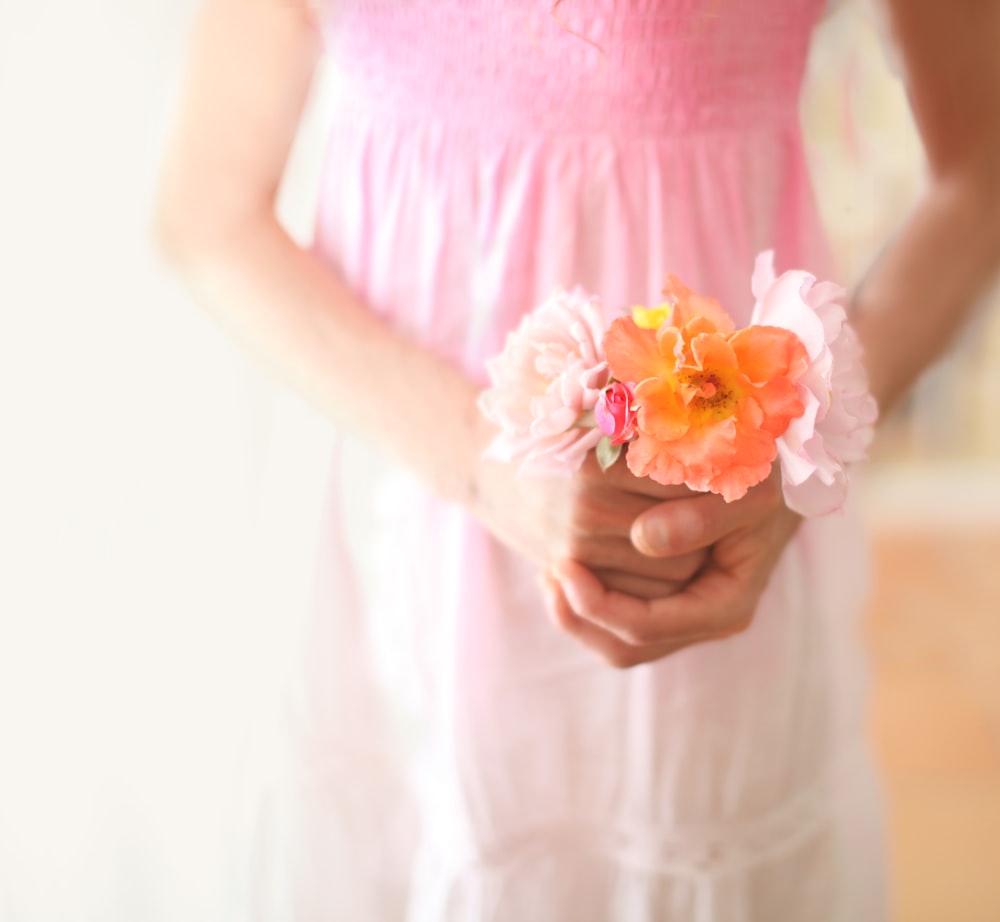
(769, 491)
(673, 529)
(579, 510)
(686, 566)
(739, 620)
(590, 611)
(773, 485)
(564, 621)
(575, 545)
(638, 635)
(695, 522)
(584, 513)
(621, 658)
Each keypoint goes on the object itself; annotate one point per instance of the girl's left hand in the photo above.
(746, 539)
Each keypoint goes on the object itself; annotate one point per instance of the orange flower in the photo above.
(711, 401)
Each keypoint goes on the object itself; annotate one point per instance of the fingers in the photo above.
(612, 649)
(639, 586)
(618, 554)
(706, 608)
(606, 512)
(681, 526)
(612, 607)
(620, 477)
(605, 507)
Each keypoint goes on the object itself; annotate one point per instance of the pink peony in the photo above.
(545, 384)
(840, 412)
(615, 412)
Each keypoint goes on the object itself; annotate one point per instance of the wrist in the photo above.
(461, 465)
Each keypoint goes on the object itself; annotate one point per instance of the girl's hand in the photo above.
(745, 538)
(587, 517)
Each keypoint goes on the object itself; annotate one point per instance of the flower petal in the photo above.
(812, 497)
(634, 354)
(662, 412)
(689, 306)
(548, 376)
(766, 352)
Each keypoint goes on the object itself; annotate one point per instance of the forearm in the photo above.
(926, 282)
(304, 322)
(930, 276)
(295, 313)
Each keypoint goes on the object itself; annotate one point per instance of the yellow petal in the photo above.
(651, 318)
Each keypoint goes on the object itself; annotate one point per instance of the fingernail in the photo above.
(650, 536)
(549, 587)
(548, 584)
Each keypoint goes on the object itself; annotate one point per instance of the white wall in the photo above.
(137, 640)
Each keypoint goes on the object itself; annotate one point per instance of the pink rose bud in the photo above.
(615, 412)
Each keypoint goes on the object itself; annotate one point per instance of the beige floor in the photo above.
(934, 631)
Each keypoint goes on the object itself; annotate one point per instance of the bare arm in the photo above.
(920, 291)
(249, 73)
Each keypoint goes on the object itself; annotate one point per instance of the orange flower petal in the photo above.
(694, 459)
(711, 401)
(754, 450)
(707, 449)
(635, 354)
(780, 403)
(645, 458)
(662, 412)
(711, 351)
(764, 353)
(689, 305)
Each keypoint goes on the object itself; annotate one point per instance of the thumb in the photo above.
(684, 525)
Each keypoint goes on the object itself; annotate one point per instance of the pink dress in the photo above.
(450, 756)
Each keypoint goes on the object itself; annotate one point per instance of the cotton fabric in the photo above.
(447, 755)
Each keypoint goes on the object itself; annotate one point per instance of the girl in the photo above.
(460, 755)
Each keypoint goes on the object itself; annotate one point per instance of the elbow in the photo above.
(974, 195)
(965, 203)
(185, 236)
(189, 228)
(171, 233)
(180, 230)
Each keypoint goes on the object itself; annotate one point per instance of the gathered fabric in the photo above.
(449, 755)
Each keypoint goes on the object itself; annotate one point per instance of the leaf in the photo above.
(607, 454)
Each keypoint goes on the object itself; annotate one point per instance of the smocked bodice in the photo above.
(631, 67)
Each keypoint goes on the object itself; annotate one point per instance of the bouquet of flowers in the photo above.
(685, 395)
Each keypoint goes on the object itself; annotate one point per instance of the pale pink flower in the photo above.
(616, 411)
(840, 412)
(545, 385)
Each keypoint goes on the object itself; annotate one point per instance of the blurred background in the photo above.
(158, 497)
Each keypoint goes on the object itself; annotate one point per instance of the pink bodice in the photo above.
(628, 67)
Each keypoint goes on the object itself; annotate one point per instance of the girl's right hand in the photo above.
(586, 517)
